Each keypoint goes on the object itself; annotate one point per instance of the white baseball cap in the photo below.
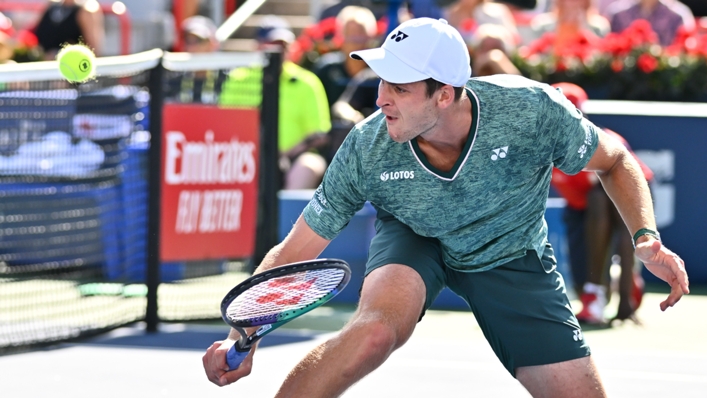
(420, 49)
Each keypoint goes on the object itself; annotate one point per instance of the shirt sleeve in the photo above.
(340, 195)
(572, 138)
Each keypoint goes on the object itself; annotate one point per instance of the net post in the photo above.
(154, 191)
(266, 235)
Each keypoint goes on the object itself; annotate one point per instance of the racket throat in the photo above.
(245, 343)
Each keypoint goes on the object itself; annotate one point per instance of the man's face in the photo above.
(409, 113)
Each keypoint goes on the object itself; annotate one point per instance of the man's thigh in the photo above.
(523, 310)
(396, 243)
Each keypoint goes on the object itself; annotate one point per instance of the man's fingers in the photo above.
(236, 374)
(214, 361)
(675, 295)
(241, 371)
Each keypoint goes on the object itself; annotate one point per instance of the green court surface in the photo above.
(447, 356)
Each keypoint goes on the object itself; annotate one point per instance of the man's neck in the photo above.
(451, 133)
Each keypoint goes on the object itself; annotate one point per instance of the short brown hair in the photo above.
(434, 85)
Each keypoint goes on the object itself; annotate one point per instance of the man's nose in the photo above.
(382, 99)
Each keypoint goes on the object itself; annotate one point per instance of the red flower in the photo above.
(539, 46)
(647, 63)
(615, 44)
(617, 65)
(581, 46)
(560, 65)
(641, 32)
(27, 39)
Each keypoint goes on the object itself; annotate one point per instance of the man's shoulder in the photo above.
(504, 86)
(372, 125)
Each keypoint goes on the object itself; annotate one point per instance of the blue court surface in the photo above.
(446, 357)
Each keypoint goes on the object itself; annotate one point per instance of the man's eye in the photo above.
(399, 89)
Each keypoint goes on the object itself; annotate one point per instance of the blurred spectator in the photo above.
(352, 89)
(489, 49)
(596, 231)
(665, 16)
(187, 8)
(183, 10)
(199, 35)
(7, 48)
(608, 7)
(468, 15)
(6, 25)
(688, 18)
(357, 29)
(379, 8)
(7, 43)
(303, 108)
(204, 86)
(686, 8)
(72, 22)
(568, 18)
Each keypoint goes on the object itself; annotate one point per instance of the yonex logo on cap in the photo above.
(398, 37)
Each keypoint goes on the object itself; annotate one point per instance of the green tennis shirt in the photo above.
(489, 208)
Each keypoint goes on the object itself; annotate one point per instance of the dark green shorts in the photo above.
(521, 306)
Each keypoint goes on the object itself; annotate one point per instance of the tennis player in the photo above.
(459, 171)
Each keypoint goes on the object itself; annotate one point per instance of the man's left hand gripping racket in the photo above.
(274, 297)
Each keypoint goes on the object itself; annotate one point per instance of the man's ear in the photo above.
(445, 96)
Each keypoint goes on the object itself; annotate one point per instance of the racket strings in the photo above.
(283, 297)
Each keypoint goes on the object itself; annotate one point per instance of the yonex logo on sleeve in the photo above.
(398, 37)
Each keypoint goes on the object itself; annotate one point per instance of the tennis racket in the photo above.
(274, 297)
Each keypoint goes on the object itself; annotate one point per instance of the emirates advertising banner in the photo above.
(209, 182)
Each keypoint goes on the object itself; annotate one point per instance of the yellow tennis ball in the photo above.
(76, 63)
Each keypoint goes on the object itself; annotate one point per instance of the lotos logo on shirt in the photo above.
(397, 175)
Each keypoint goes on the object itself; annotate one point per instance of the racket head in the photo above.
(284, 293)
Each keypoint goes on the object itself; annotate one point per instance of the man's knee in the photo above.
(392, 299)
(377, 336)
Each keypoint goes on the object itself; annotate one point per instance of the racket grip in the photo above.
(234, 357)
